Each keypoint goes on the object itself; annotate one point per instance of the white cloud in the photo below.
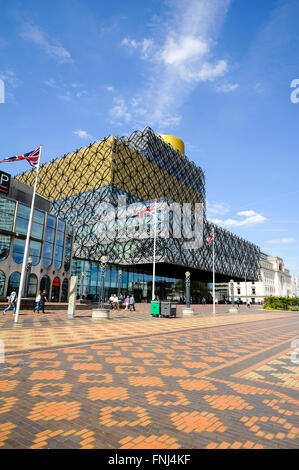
(186, 48)
(178, 56)
(8, 76)
(82, 134)
(227, 87)
(51, 83)
(217, 208)
(249, 218)
(145, 45)
(66, 97)
(110, 88)
(120, 110)
(282, 241)
(37, 36)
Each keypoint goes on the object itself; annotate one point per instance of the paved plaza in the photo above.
(136, 382)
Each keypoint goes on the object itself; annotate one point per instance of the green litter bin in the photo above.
(155, 308)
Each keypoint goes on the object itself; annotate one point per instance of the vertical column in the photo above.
(72, 297)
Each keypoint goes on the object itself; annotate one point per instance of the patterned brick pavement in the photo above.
(136, 382)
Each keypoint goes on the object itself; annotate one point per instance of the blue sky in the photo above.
(216, 73)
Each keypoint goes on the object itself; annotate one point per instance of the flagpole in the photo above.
(27, 244)
(214, 308)
(154, 254)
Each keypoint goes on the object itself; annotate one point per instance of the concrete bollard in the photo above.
(72, 297)
(101, 313)
(188, 312)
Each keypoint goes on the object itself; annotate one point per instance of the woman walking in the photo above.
(37, 300)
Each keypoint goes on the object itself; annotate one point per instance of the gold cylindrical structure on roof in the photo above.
(175, 142)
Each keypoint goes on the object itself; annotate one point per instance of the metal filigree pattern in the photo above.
(141, 168)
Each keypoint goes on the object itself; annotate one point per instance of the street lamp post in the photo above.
(102, 313)
(104, 260)
(28, 272)
(81, 287)
(245, 270)
(120, 273)
(233, 309)
(187, 274)
(188, 311)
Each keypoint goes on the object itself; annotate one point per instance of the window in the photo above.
(5, 241)
(32, 286)
(55, 289)
(68, 248)
(239, 291)
(37, 223)
(45, 284)
(59, 244)
(49, 240)
(7, 212)
(13, 282)
(19, 248)
(253, 291)
(65, 290)
(2, 283)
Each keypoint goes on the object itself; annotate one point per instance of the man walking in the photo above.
(43, 299)
(132, 303)
(12, 303)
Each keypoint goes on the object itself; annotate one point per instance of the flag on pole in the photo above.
(147, 211)
(31, 157)
(210, 238)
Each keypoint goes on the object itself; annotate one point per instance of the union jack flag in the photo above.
(147, 211)
(210, 238)
(31, 157)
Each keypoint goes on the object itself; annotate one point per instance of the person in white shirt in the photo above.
(111, 300)
(115, 302)
(12, 303)
(37, 300)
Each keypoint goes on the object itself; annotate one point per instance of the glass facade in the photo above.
(45, 284)
(13, 282)
(19, 248)
(68, 248)
(59, 244)
(23, 220)
(5, 241)
(49, 241)
(133, 281)
(7, 213)
(32, 286)
(2, 283)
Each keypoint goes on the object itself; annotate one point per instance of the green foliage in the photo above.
(281, 303)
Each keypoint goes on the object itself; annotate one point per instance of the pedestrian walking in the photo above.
(43, 299)
(115, 302)
(120, 300)
(37, 301)
(132, 303)
(127, 302)
(12, 303)
(111, 299)
(204, 301)
(248, 303)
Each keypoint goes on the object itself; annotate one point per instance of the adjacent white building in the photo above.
(275, 281)
(295, 286)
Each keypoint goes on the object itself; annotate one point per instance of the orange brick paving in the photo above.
(137, 382)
